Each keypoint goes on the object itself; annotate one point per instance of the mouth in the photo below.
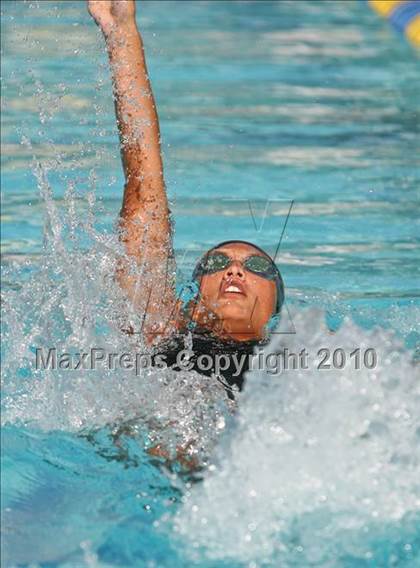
(233, 289)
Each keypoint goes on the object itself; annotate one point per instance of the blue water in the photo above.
(264, 106)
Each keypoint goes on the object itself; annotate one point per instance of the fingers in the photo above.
(99, 6)
(106, 11)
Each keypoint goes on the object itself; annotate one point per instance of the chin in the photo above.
(234, 312)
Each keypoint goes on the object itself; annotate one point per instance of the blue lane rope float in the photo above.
(403, 15)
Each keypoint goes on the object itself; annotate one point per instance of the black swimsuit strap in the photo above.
(205, 342)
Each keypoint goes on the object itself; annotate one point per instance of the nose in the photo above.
(235, 269)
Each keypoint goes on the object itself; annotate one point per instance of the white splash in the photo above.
(70, 302)
(321, 461)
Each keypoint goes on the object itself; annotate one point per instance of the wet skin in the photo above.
(242, 313)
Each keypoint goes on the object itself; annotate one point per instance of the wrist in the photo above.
(119, 28)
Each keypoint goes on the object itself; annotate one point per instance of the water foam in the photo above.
(323, 464)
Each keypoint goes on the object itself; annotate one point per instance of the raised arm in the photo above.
(144, 218)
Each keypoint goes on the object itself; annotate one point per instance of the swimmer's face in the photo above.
(234, 300)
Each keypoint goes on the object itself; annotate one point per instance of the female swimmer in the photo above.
(239, 288)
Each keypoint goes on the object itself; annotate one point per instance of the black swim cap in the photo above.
(278, 278)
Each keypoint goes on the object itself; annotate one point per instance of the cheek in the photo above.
(210, 285)
(264, 292)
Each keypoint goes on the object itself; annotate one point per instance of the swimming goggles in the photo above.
(257, 264)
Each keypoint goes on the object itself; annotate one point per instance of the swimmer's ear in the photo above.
(189, 292)
(192, 311)
(187, 303)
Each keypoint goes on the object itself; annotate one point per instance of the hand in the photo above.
(109, 14)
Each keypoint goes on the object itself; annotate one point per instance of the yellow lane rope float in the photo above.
(403, 15)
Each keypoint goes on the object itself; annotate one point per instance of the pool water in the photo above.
(266, 108)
